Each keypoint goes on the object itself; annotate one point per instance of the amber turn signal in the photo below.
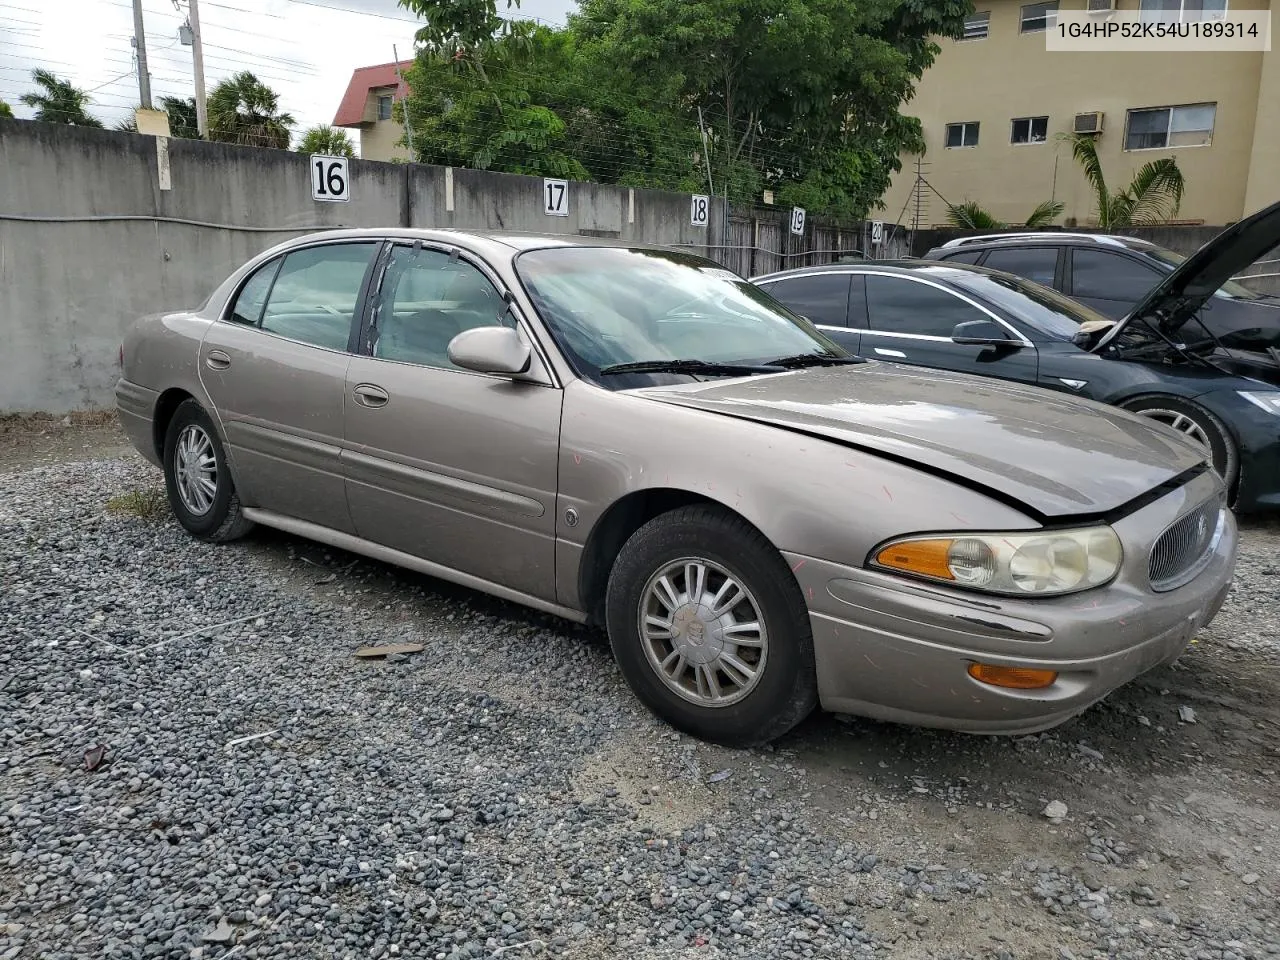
(1016, 678)
(925, 557)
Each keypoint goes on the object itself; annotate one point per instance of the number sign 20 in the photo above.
(329, 178)
(699, 210)
(555, 197)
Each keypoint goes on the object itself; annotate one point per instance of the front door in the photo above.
(276, 367)
(912, 321)
(455, 467)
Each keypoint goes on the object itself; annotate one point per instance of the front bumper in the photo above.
(899, 650)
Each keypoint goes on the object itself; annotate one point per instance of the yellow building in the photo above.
(993, 103)
(366, 106)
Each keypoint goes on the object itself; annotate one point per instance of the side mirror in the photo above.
(983, 333)
(495, 349)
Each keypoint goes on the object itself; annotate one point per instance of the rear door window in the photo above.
(316, 294)
(1039, 264)
(821, 297)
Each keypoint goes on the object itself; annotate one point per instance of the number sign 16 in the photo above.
(329, 178)
(700, 211)
(555, 197)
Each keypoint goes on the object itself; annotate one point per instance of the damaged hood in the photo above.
(1176, 300)
(1056, 456)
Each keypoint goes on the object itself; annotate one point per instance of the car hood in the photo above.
(1180, 296)
(1051, 455)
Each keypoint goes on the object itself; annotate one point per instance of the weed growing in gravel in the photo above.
(149, 504)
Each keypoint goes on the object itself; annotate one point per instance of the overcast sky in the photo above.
(303, 49)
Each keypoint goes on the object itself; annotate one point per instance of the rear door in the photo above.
(275, 366)
(823, 297)
(1110, 281)
(911, 320)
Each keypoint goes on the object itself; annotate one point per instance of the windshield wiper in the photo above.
(688, 366)
(813, 360)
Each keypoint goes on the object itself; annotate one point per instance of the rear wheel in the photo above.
(201, 492)
(709, 628)
(1196, 424)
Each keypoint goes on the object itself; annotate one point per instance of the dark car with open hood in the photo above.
(1170, 358)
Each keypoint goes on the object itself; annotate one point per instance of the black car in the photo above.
(972, 319)
(1112, 274)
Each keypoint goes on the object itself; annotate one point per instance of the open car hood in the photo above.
(1051, 455)
(1179, 298)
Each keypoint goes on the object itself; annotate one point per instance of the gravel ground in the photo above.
(265, 793)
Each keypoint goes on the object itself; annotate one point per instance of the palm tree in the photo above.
(328, 141)
(6, 110)
(244, 110)
(59, 101)
(1152, 196)
(182, 117)
(972, 217)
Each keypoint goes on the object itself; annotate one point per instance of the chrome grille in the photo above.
(1185, 547)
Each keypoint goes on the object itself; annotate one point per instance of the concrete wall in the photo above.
(90, 239)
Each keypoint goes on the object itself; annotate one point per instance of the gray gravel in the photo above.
(264, 793)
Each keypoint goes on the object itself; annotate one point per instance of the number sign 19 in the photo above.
(555, 197)
(329, 178)
(700, 210)
(797, 220)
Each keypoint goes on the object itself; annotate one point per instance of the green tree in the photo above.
(1153, 196)
(183, 122)
(244, 110)
(6, 110)
(326, 140)
(971, 216)
(58, 101)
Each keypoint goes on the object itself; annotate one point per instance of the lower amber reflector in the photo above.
(1017, 678)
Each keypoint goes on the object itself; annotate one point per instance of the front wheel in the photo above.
(1196, 424)
(709, 628)
(201, 492)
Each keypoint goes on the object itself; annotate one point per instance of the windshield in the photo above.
(1231, 290)
(607, 306)
(1038, 306)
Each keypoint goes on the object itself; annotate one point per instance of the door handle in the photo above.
(217, 360)
(370, 395)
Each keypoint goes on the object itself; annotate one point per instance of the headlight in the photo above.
(1045, 563)
(1268, 400)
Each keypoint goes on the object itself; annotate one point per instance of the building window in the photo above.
(977, 26)
(384, 107)
(1037, 17)
(1153, 129)
(962, 134)
(1181, 11)
(1029, 130)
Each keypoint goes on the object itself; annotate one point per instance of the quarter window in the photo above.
(1029, 130)
(315, 295)
(899, 305)
(428, 299)
(1037, 17)
(1110, 276)
(253, 295)
(977, 26)
(962, 134)
(971, 256)
(1038, 264)
(1185, 126)
(821, 298)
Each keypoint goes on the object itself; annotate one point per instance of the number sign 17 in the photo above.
(555, 197)
(329, 178)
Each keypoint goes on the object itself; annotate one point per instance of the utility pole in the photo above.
(140, 45)
(197, 57)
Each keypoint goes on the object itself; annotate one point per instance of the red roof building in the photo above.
(366, 106)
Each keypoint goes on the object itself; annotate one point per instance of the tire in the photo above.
(1195, 422)
(223, 519)
(783, 690)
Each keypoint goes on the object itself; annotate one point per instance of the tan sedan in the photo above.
(637, 438)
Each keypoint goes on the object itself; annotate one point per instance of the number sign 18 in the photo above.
(329, 178)
(555, 197)
(700, 211)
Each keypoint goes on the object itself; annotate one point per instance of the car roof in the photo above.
(937, 269)
(513, 239)
(987, 240)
